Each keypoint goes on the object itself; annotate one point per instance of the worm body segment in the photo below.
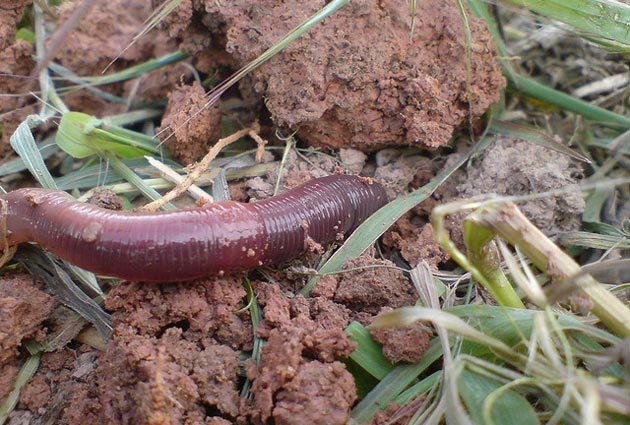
(189, 243)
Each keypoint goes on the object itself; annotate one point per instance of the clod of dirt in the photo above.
(172, 356)
(166, 379)
(353, 159)
(403, 344)
(188, 127)
(8, 373)
(326, 287)
(106, 198)
(396, 171)
(416, 243)
(360, 78)
(35, 393)
(102, 35)
(298, 378)
(517, 167)
(257, 188)
(101, 38)
(16, 62)
(368, 289)
(63, 391)
(204, 308)
(23, 308)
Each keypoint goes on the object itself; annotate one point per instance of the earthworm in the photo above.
(189, 243)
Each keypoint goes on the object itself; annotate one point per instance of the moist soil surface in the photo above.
(375, 99)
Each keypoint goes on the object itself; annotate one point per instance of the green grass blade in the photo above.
(509, 408)
(24, 145)
(46, 149)
(393, 384)
(127, 73)
(129, 175)
(528, 87)
(607, 19)
(419, 388)
(26, 372)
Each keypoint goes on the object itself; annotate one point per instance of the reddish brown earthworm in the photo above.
(189, 243)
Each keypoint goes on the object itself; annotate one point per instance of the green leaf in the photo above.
(394, 384)
(25, 34)
(23, 143)
(82, 135)
(604, 18)
(509, 407)
(529, 87)
(368, 355)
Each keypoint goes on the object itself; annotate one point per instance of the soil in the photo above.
(350, 82)
(358, 83)
(188, 140)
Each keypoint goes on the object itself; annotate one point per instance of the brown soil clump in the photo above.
(16, 63)
(298, 378)
(188, 128)
(373, 285)
(357, 79)
(416, 243)
(518, 167)
(403, 344)
(23, 308)
(173, 354)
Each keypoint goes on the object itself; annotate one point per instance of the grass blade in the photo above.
(528, 87)
(604, 18)
(24, 145)
(509, 407)
(393, 384)
(26, 372)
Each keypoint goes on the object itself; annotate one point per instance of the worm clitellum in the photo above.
(189, 243)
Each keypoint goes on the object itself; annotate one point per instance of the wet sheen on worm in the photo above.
(189, 243)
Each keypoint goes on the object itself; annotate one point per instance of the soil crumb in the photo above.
(23, 308)
(370, 285)
(517, 167)
(188, 127)
(106, 198)
(173, 354)
(403, 344)
(298, 377)
(416, 243)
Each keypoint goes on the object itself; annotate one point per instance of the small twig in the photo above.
(171, 175)
(205, 162)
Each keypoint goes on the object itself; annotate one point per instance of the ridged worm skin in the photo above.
(189, 243)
